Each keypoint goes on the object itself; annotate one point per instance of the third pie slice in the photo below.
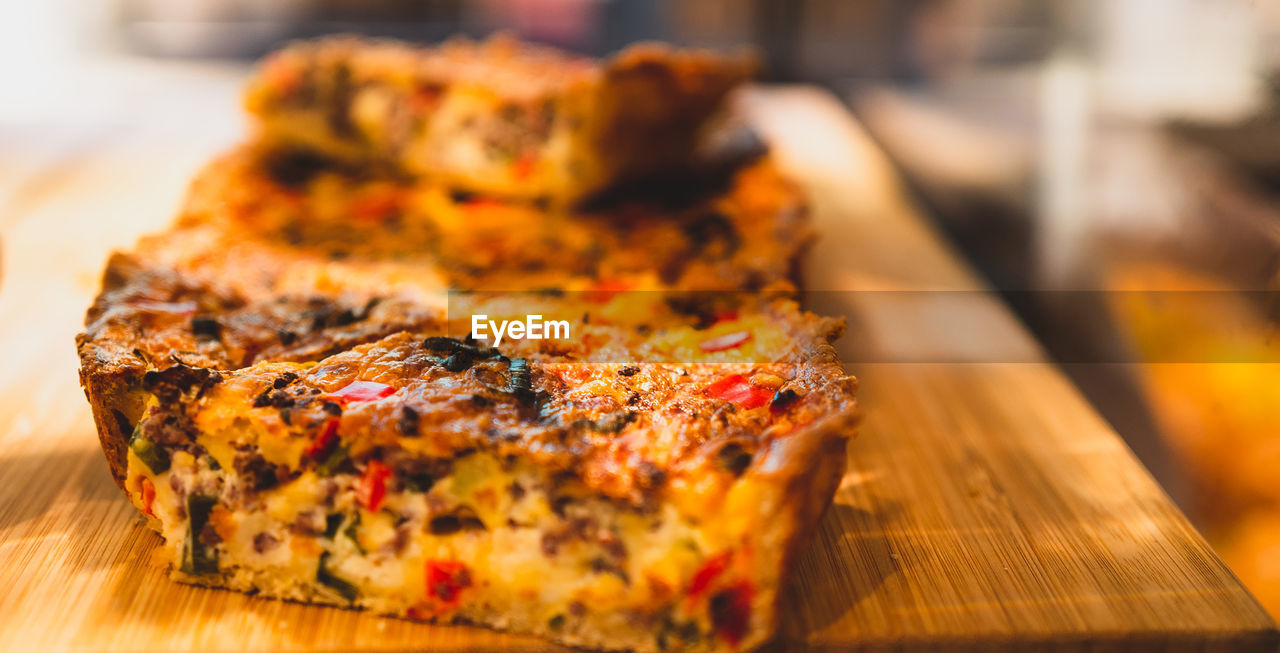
(498, 117)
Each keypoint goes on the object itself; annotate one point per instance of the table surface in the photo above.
(985, 504)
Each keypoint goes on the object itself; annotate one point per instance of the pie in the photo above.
(290, 384)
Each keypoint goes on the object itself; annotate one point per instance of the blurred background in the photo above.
(1080, 154)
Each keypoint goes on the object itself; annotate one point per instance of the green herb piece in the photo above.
(418, 482)
(331, 463)
(350, 532)
(197, 558)
(344, 588)
(154, 457)
(685, 634)
(332, 523)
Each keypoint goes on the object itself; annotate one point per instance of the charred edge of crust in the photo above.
(808, 466)
(109, 380)
(706, 175)
(108, 386)
(114, 363)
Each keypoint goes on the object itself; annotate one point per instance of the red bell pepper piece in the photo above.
(738, 389)
(707, 574)
(148, 495)
(372, 487)
(328, 435)
(605, 289)
(726, 341)
(727, 315)
(523, 166)
(483, 204)
(446, 579)
(361, 391)
(375, 207)
(731, 612)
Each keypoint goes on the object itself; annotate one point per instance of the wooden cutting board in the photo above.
(985, 505)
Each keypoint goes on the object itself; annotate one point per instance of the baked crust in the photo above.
(498, 117)
(677, 510)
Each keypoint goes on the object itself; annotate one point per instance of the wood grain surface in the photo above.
(985, 505)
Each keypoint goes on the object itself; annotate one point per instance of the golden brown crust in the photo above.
(109, 384)
(502, 64)
(499, 116)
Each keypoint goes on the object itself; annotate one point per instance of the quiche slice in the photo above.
(652, 503)
(744, 236)
(274, 258)
(498, 117)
